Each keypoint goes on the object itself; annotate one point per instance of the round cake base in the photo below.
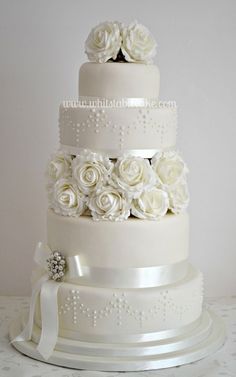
(205, 338)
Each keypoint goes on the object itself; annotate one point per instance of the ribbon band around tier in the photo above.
(145, 277)
(115, 153)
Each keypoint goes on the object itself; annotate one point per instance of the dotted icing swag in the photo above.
(119, 307)
(97, 121)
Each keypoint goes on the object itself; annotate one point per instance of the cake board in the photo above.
(207, 337)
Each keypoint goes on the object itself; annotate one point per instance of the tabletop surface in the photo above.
(220, 364)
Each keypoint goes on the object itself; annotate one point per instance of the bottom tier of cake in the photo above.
(114, 329)
(94, 313)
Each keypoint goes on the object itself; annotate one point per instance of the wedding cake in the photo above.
(113, 289)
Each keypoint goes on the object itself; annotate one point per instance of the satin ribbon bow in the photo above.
(47, 289)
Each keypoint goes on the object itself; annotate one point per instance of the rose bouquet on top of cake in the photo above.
(112, 41)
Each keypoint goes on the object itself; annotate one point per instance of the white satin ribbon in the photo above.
(49, 315)
(74, 267)
(48, 290)
(130, 338)
(27, 332)
(145, 277)
(115, 153)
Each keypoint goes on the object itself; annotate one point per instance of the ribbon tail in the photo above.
(49, 318)
(26, 334)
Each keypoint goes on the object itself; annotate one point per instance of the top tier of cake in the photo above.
(118, 110)
(119, 80)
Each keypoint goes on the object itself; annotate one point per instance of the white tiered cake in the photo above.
(114, 290)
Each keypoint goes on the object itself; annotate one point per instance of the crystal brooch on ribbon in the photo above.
(56, 264)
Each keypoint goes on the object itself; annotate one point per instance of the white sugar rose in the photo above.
(91, 170)
(66, 199)
(133, 175)
(169, 168)
(103, 42)
(138, 45)
(109, 203)
(178, 197)
(151, 205)
(59, 166)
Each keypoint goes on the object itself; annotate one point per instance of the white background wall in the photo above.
(41, 49)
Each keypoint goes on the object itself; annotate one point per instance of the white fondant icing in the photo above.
(113, 130)
(133, 243)
(118, 80)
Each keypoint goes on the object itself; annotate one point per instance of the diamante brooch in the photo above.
(56, 266)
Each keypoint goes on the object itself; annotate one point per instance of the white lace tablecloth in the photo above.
(220, 364)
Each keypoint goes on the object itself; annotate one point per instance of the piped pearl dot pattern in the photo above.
(118, 308)
(124, 128)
